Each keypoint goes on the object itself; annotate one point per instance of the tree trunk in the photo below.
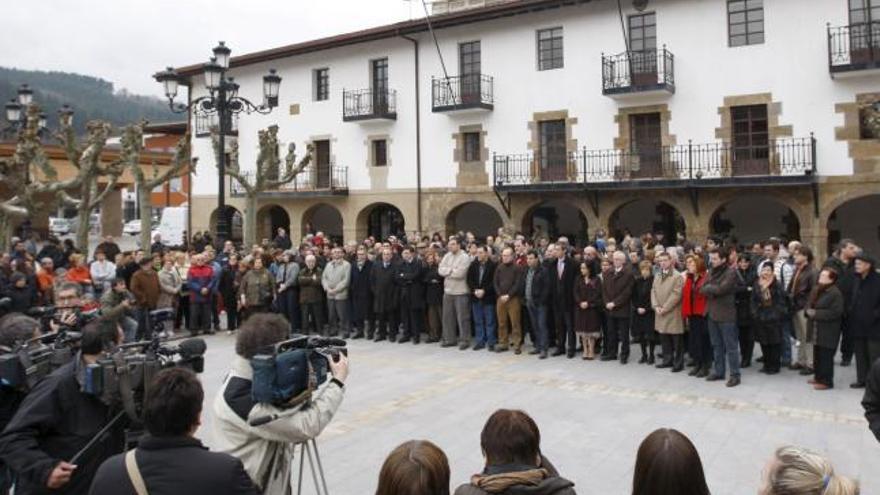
(83, 214)
(250, 221)
(146, 214)
(5, 229)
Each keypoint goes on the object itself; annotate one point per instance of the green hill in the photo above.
(91, 98)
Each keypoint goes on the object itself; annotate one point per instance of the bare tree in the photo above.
(133, 138)
(86, 158)
(267, 175)
(26, 194)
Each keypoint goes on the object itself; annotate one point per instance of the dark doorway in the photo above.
(755, 219)
(643, 49)
(849, 221)
(751, 140)
(647, 215)
(469, 71)
(553, 219)
(646, 145)
(552, 153)
(385, 220)
(379, 79)
(322, 164)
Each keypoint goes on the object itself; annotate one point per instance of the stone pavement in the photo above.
(592, 415)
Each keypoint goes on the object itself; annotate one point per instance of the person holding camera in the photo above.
(15, 330)
(57, 420)
(267, 450)
(117, 304)
(169, 459)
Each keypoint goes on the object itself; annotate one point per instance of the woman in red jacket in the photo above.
(693, 309)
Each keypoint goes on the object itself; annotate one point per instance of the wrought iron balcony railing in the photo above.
(369, 104)
(462, 92)
(204, 123)
(854, 47)
(311, 181)
(638, 71)
(779, 161)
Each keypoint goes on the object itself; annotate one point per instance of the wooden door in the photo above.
(552, 159)
(643, 49)
(751, 140)
(469, 72)
(646, 146)
(322, 164)
(379, 86)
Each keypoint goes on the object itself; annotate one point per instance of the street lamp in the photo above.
(223, 102)
(17, 113)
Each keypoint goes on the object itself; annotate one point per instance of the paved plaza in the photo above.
(592, 415)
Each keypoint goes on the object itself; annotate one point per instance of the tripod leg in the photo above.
(302, 458)
(320, 467)
(312, 466)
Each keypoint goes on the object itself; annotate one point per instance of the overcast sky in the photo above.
(125, 41)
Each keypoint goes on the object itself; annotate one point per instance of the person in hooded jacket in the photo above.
(511, 444)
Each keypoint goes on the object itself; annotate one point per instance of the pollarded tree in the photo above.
(86, 158)
(266, 177)
(133, 138)
(25, 195)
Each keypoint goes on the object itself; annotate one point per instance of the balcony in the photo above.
(459, 93)
(204, 123)
(638, 73)
(790, 161)
(313, 181)
(854, 50)
(369, 104)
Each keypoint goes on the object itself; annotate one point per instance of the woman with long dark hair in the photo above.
(769, 308)
(824, 312)
(668, 464)
(417, 467)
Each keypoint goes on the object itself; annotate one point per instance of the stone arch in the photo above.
(474, 216)
(235, 219)
(555, 218)
(848, 220)
(641, 215)
(380, 220)
(754, 218)
(325, 218)
(270, 218)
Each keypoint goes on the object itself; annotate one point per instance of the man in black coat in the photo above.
(411, 279)
(563, 273)
(282, 241)
(168, 460)
(480, 277)
(617, 288)
(385, 296)
(536, 293)
(871, 400)
(53, 250)
(864, 317)
(842, 262)
(57, 420)
(360, 295)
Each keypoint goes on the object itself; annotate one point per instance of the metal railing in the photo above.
(638, 71)
(689, 162)
(469, 90)
(313, 178)
(204, 123)
(369, 104)
(854, 46)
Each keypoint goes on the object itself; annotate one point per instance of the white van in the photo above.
(172, 228)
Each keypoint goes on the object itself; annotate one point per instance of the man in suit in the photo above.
(411, 279)
(361, 296)
(480, 276)
(617, 288)
(385, 296)
(563, 272)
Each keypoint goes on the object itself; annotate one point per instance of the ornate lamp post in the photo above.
(16, 113)
(222, 101)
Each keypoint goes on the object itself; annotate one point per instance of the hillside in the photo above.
(91, 98)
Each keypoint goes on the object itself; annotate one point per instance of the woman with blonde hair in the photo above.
(798, 471)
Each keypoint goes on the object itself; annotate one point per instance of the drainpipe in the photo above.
(418, 138)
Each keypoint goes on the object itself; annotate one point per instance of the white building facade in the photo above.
(728, 117)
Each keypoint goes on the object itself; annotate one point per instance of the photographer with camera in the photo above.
(15, 330)
(266, 450)
(117, 304)
(169, 459)
(57, 420)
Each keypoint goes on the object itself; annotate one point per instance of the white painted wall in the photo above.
(791, 64)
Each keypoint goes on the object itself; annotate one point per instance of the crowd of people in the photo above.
(709, 301)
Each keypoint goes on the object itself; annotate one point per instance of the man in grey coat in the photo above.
(720, 291)
(335, 280)
(286, 275)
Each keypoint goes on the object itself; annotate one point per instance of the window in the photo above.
(469, 71)
(745, 22)
(471, 146)
(550, 48)
(380, 153)
(864, 35)
(379, 85)
(322, 84)
(643, 32)
(751, 140)
(553, 152)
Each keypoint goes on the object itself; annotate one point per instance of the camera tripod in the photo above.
(310, 449)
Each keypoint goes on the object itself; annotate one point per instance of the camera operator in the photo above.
(267, 450)
(68, 307)
(169, 459)
(56, 420)
(116, 304)
(15, 330)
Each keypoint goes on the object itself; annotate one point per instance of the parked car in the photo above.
(59, 226)
(132, 227)
(94, 224)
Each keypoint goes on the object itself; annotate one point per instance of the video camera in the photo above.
(287, 373)
(158, 317)
(27, 364)
(123, 377)
(56, 314)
